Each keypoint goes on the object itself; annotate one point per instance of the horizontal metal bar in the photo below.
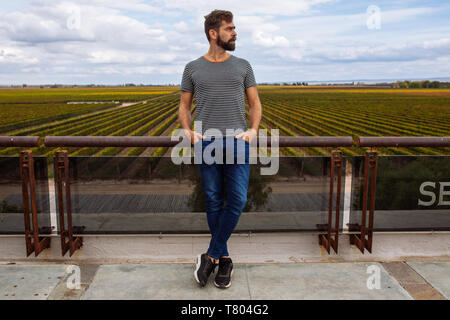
(166, 141)
(20, 141)
(109, 141)
(313, 141)
(403, 141)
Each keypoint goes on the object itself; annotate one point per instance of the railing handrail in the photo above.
(169, 141)
(403, 141)
(20, 141)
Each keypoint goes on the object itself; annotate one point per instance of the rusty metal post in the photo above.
(32, 239)
(330, 239)
(62, 166)
(365, 237)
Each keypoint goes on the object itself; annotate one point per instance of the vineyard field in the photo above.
(153, 111)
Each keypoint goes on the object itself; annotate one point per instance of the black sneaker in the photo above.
(203, 269)
(223, 276)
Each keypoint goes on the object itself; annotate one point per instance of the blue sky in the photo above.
(115, 42)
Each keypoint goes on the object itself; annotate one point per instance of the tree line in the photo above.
(420, 84)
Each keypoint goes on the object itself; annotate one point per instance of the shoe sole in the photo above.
(197, 266)
(228, 285)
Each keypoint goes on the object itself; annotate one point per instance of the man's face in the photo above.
(226, 38)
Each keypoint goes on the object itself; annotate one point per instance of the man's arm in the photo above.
(184, 116)
(184, 112)
(255, 114)
(254, 106)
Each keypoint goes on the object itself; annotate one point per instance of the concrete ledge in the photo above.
(254, 248)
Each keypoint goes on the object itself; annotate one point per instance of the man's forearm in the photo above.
(255, 116)
(184, 116)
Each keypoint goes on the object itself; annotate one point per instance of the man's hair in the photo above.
(214, 20)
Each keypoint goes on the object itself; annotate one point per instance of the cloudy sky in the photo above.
(140, 41)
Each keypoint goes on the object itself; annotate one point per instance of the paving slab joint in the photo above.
(417, 286)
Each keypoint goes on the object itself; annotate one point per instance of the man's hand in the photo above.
(193, 136)
(248, 135)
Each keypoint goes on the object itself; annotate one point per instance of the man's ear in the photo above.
(212, 34)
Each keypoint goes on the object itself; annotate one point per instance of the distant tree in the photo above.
(425, 84)
(434, 84)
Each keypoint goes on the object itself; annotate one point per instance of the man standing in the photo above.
(220, 82)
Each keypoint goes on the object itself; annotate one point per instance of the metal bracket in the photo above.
(62, 168)
(365, 237)
(330, 239)
(32, 240)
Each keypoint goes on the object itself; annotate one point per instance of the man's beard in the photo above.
(226, 45)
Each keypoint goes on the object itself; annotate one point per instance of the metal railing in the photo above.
(363, 239)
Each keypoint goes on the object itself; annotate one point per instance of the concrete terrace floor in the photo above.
(399, 280)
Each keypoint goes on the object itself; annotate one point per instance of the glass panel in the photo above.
(412, 193)
(152, 195)
(11, 199)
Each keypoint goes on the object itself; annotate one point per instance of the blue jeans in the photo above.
(232, 177)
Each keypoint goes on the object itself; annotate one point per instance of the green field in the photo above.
(21, 108)
(303, 111)
(324, 111)
(46, 95)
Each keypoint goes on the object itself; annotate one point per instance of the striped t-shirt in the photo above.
(219, 90)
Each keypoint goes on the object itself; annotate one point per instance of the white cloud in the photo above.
(52, 24)
(138, 40)
(389, 52)
(437, 44)
(259, 38)
(16, 56)
(181, 26)
(248, 7)
(103, 35)
(255, 23)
